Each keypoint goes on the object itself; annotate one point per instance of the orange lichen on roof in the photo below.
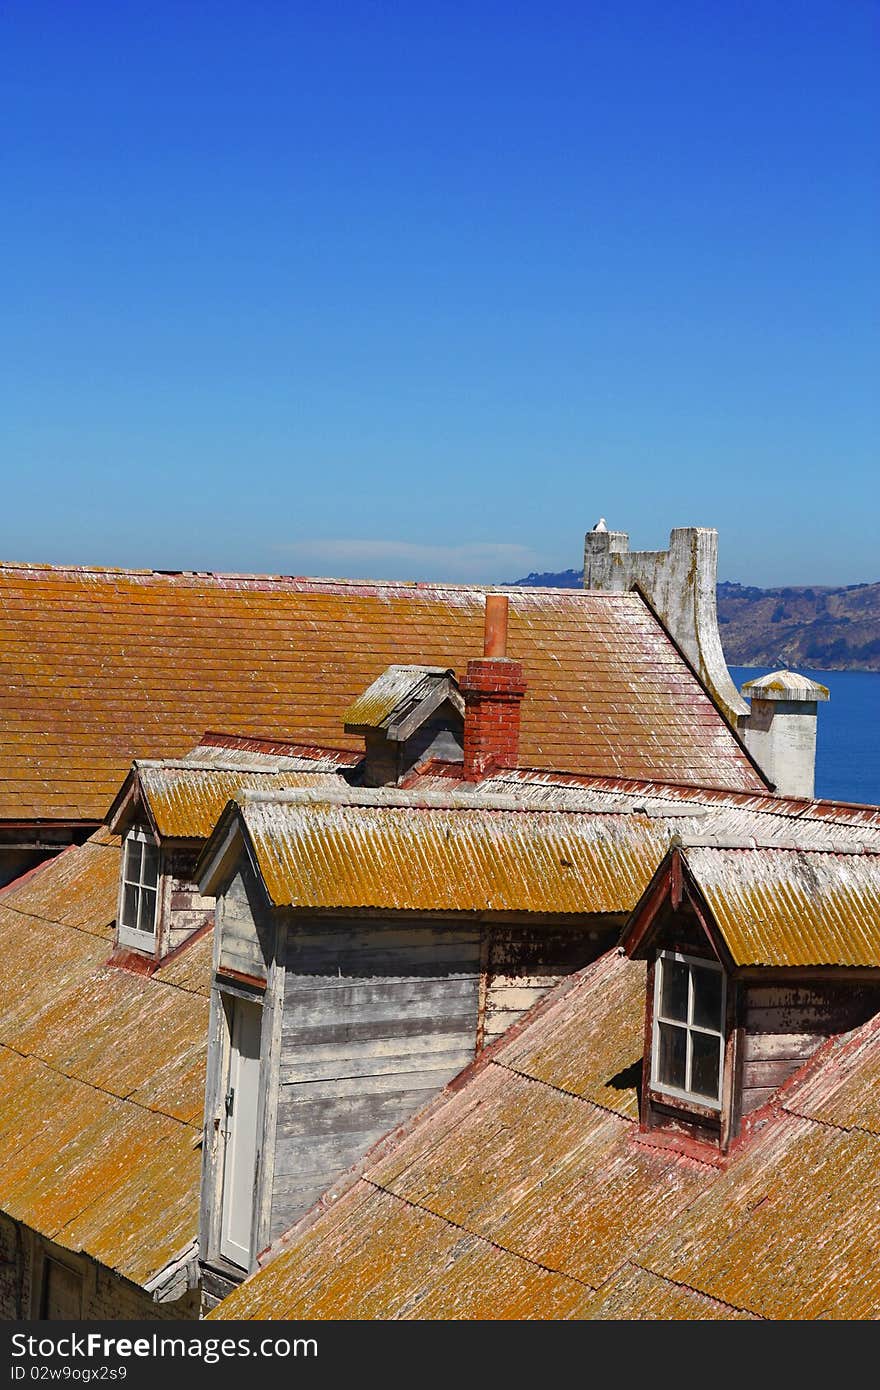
(529, 1166)
(102, 1072)
(98, 667)
(427, 859)
(790, 907)
(186, 802)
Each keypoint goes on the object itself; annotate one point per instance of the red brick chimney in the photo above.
(493, 690)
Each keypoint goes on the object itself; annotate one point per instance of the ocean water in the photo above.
(848, 740)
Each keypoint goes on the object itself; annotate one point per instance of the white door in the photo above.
(239, 1164)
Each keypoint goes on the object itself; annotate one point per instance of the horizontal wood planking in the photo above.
(524, 962)
(389, 1077)
(759, 1075)
(779, 1047)
(376, 1021)
(755, 1097)
(784, 1025)
(374, 950)
(240, 946)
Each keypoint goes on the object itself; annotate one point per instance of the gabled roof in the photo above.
(102, 1072)
(525, 1192)
(401, 698)
(184, 797)
(791, 907)
(377, 851)
(98, 667)
(511, 843)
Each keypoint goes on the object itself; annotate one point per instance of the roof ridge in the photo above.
(734, 843)
(399, 799)
(408, 585)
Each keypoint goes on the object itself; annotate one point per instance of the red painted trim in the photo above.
(133, 962)
(682, 1146)
(238, 977)
(246, 743)
(644, 913)
(137, 964)
(675, 875)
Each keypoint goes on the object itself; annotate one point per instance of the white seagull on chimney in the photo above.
(600, 525)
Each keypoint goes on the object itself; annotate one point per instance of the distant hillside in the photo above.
(834, 629)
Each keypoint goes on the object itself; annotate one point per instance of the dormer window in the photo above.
(140, 891)
(688, 1050)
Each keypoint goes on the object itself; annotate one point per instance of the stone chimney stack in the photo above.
(780, 731)
(679, 584)
(493, 690)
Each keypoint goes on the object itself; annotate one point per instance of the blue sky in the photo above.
(422, 290)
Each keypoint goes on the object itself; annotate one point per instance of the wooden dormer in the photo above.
(409, 714)
(754, 962)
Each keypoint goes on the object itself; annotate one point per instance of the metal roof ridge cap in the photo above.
(186, 765)
(397, 799)
(733, 842)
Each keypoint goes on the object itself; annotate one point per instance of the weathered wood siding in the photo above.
(524, 962)
(187, 910)
(377, 1019)
(244, 947)
(784, 1024)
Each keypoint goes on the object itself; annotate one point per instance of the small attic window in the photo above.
(139, 891)
(688, 1044)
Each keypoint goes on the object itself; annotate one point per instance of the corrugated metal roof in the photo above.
(400, 858)
(100, 666)
(186, 801)
(792, 907)
(625, 793)
(791, 1230)
(696, 811)
(102, 1072)
(81, 890)
(846, 1090)
(526, 1168)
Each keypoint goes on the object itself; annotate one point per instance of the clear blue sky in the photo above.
(421, 290)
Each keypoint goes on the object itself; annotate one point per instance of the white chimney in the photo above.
(780, 731)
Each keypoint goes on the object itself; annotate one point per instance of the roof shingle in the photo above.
(98, 667)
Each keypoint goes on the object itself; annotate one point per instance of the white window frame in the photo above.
(133, 936)
(689, 1028)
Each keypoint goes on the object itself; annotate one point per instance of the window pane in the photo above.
(130, 905)
(705, 1065)
(133, 860)
(148, 910)
(707, 998)
(674, 989)
(150, 870)
(671, 1055)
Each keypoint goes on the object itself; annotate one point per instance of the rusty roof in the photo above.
(521, 1193)
(98, 667)
(791, 907)
(98, 1131)
(503, 845)
(185, 799)
(316, 855)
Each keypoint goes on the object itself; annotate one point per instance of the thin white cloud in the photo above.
(494, 561)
